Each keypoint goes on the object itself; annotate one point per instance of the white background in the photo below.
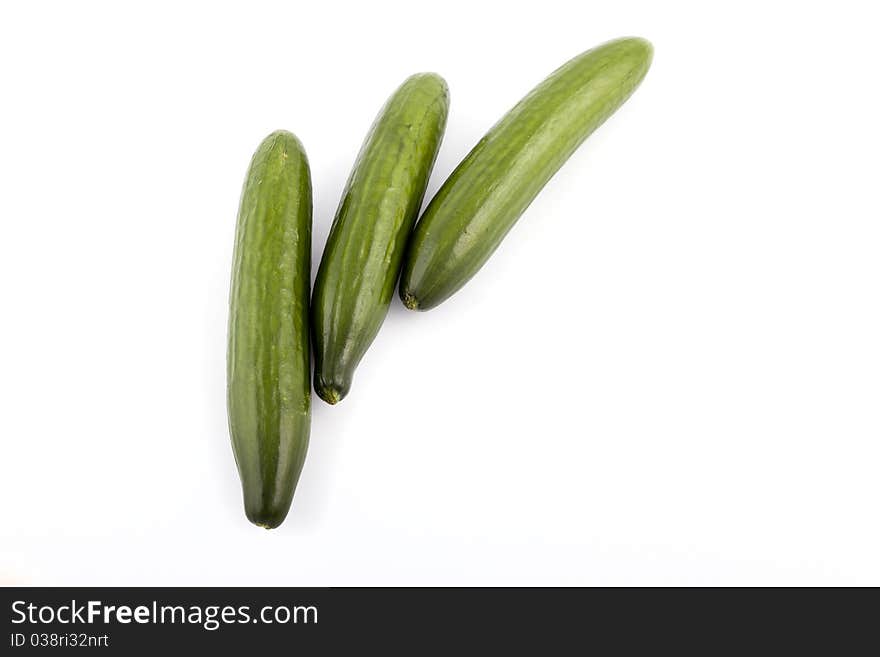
(668, 374)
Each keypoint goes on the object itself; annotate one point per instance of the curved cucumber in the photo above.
(268, 391)
(364, 250)
(485, 195)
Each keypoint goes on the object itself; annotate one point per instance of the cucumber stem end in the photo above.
(329, 395)
(410, 301)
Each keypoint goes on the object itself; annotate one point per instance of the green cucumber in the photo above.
(364, 251)
(268, 386)
(485, 195)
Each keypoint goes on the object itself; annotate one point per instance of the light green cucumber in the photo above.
(485, 195)
(268, 382)
(364, 251)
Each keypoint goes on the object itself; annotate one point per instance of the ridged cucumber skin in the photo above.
(495, 183)
(268, 358)
(381, 201)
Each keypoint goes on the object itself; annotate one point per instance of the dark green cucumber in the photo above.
(485, 195)
(365, 248)
(268, 386)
